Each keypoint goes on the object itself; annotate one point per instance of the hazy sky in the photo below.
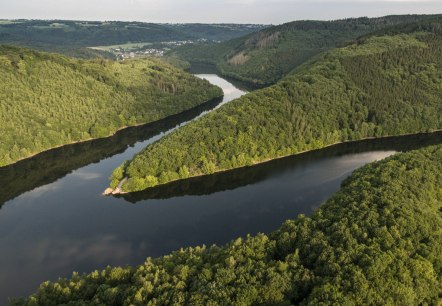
(238, 11)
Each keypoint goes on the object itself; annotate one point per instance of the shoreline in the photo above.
(119, 191)
(111, 135)
(238, 81)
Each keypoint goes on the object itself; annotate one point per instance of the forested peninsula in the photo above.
(376, 241)
(381, 85)
(263, 58)
(49, 100)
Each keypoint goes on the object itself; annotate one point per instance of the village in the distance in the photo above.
(133, 50)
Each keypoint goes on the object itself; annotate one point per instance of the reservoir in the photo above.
(54, 220)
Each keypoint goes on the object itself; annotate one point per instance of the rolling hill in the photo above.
(389, 84)
(264, 57)
(376, 241)
(73, 37)
(49, 100)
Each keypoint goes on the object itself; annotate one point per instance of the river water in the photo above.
(54, 220)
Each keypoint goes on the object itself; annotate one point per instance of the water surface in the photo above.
(64, 224)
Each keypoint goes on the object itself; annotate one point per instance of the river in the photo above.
(54, 220)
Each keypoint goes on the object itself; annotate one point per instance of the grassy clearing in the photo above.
(126, 46)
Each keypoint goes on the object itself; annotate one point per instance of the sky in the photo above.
(212, 11)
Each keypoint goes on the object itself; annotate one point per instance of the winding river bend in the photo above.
(54, 220)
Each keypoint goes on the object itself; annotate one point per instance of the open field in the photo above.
(128, 45)
(4, 21)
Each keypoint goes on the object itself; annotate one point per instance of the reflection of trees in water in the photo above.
(206, 68)
(248, 175)
(54, 164)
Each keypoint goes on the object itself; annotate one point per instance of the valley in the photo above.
(241, 164)
(351, 93)
(238, 200)
(107, 95)
(265, 57)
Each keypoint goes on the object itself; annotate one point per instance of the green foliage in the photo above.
(117, 175)
(48, 100)
(73, 37)
(265, 57)
(377, 88)
(376, 241)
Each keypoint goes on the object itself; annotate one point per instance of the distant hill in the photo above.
(72, 37)
(264, 57)
(48, 100)
(377, 241)
(380, 85)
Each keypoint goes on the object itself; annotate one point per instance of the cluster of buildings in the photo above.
(122, 54)
(148, 50)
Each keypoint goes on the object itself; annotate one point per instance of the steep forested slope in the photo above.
(377, 241)
(49, 100)
(384, 85)
(265, 57)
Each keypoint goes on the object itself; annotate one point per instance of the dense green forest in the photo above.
(50, 100)
(264, 57)
(383, 85)
(376, 241)
(49, 166)
(260, 173)
(72, 37)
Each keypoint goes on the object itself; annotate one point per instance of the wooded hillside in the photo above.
(382, 85)
(48, 100)
(376, 241)
(72, 37)
(265, 57)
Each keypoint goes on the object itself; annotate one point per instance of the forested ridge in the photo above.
(376, 241)
(49, 166)
(265, 57)
(383, 85)
(50, 100)
(71, 37)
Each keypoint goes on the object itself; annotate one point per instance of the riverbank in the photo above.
(215, 99)
(119, 191)
(380, 214)
(59, 222)
(241, 83)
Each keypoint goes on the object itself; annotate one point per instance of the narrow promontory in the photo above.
(377, 241)
(382, 85)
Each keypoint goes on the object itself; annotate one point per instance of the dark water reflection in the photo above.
(233, 179)
(201, 67)
(64, 224)
(54, 220)
(51, 165)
